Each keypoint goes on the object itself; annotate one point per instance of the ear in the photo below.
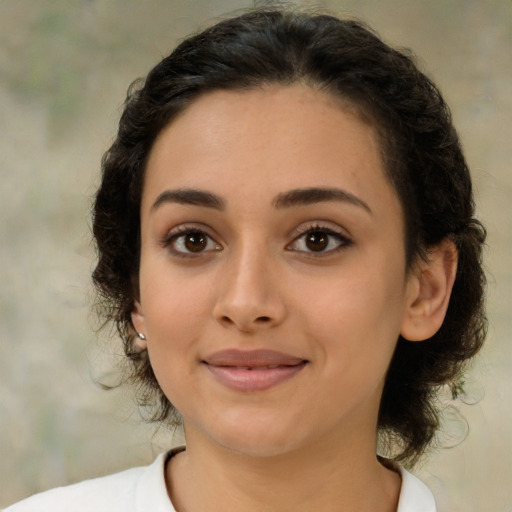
(139, 324)
(430, 285)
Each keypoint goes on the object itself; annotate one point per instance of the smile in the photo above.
(251, 371)
(268, 367)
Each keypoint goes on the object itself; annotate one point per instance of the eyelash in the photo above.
(181, 231)
(342, 239)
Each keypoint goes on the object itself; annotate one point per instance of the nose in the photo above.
(248, 295)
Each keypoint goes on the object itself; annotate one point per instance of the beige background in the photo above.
(64, 69)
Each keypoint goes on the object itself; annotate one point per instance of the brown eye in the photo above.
(195, 242)
(320, 241)
(190, 242)
(317, 241)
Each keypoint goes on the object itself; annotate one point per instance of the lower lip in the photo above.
(242, 379)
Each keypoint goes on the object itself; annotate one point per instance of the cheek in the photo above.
(359, 300)
(173, 300)
(175, 313)
(355, 319)
(173, 329)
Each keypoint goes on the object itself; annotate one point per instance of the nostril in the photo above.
(246, 324)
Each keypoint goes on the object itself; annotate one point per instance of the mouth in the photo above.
(255, 370)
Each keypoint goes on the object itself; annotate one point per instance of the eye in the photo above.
(190, 241)
(320, 240)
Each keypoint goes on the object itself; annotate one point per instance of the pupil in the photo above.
(317, 241)
(195, 242)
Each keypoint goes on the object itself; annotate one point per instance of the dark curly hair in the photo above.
(423, 161)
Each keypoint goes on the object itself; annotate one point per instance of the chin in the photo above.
(255, 447)
(258, 436)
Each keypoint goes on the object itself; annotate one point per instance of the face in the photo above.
(273, 284)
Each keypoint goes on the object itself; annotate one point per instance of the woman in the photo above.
(287, 244)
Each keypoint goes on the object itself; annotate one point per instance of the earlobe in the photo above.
(430, 287)
(139, 325)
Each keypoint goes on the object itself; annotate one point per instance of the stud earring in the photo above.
(141, 336)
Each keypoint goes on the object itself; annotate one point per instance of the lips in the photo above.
(255, 370)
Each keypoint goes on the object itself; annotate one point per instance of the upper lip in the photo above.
(252, 358)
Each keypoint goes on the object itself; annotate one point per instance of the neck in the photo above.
(209, 477)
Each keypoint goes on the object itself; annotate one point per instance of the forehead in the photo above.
(259, 142)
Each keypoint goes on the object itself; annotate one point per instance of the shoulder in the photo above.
(415, 496)
(109, 493)
(133, 490)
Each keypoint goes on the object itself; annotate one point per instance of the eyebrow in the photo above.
(292, 198)
(192, 197)
(312, 195)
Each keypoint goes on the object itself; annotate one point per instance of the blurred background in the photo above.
(64, 69)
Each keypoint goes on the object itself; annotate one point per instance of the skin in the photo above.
(257, 284)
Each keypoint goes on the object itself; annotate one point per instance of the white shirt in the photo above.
(143, 489)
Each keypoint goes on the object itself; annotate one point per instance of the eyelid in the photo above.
(345, 240)
(320, 225)
(184, 229)
(326, 227)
